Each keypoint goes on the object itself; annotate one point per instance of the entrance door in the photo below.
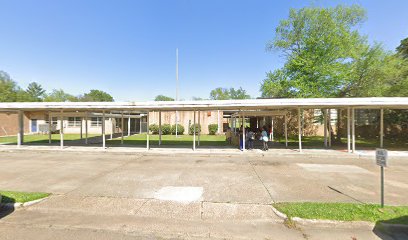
(33, 125)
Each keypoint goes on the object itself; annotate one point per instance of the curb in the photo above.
(19, 205)
(334, 223)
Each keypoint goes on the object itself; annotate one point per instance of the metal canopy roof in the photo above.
(236, 105)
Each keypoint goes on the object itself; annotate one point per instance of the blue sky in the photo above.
(127, 48)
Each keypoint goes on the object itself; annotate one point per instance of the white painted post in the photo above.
(243, 132)
(20, 134)
(199, 122)
(160, 129)
(86, 127)
(257, 123)
(348, 131)
(80, 128)
(194, 131)
(140, 124)
(112, 127)
(62, 129)
(49, 127)
(103, 130)
(147, 131)
(382, 128)
(353, 130)
(122, 127)
(300, 129)
(330, 127)
(325, 127)
(272, 138)
(129, 125)
(218, 123)
(286, 132)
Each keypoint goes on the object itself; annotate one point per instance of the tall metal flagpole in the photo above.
(176, 88)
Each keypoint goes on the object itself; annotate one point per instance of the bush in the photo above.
(166, 129)
(154, 128)
(191, 130)
(212, 129)
(180, 129)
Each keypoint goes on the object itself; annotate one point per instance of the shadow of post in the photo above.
(396, 228)
(6, 206)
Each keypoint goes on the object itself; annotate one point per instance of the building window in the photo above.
(74, 121)
(54, 120)
(96, 122)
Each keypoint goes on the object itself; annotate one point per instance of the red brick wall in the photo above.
(9, 124)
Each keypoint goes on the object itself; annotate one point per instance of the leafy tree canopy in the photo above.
(35, 92)
(402, 49)
(96, 96)
(163, 98)
(231, 93)
(59, 95)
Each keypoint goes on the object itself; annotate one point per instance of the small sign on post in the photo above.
(381, 157)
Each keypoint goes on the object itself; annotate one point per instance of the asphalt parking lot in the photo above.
(125, 195)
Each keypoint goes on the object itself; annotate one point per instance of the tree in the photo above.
(35, 92)
(58, 95)
(8, 88)
(320, 46)
(96, 96)
(225, 94)
(402, 49)
(163, 98)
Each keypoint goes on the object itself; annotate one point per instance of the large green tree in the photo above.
(163, 98)
(59, 95)
(96, 96)
(320, 46)
(228, 93)
(8, 88)
(35, 92)
(402, 49)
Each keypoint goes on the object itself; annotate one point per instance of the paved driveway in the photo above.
(126, 196)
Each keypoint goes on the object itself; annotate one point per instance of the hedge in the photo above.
(154, 128)
(212, 129)
(197, 130)
(180, 129)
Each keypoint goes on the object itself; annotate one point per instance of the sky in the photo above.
(128, 48)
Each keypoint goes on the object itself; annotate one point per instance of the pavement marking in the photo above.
(179, 194)
(334, 168)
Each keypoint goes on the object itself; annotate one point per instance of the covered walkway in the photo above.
(239, 108)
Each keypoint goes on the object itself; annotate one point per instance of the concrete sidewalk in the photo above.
(110, 195)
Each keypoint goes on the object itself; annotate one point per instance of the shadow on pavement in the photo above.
(6, 210)
(396, 228)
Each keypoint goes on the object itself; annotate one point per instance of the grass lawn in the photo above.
(318, 141)
(140, 139)
(21, 197)
(41, 138)
(345, 212)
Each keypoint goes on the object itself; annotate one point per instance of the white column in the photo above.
(80, 128)
(129, 125)
(103, 130)
(353, 130)
(49, 127)
(62, 129)
(324, 112)
(218, 123)
(382, 128)
(112, 127)
(194, 131)
(86, 127)
(160, 129)
(199, 133)
(147, 132)
(272, 138)
(257, 123)
(243, 132)
(330, 127)
(176, 122)
(286, 131)
(20, 134)
(122, 122)
(348, 131)
(140, 124)
(300, 130)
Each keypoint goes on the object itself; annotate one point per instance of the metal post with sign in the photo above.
(381, 157)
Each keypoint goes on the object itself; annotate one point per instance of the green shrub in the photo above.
(180, 129)
(191, 130)
(212, 129)
(166, 129)
(154, 128)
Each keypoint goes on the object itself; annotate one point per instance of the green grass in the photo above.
(42, 138)
(140, 139)
(21, 197)
(345, 212)
(361, 143)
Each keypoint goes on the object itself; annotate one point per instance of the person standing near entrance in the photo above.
(251, 138)
(264, 136)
